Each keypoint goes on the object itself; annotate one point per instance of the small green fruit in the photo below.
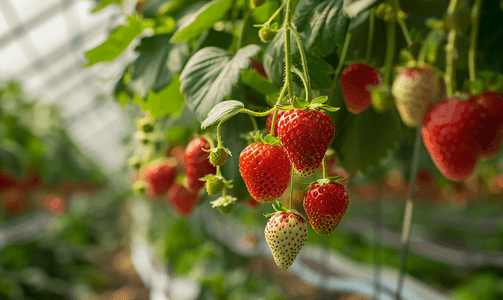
(134, 163)
(146, 125)
(382, 100)
(266, 33)
(140, 187)
(226, 209)
(224, 204)
(218, 156)
(214, 185)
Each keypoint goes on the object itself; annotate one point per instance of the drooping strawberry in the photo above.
(306, 135)
(491, 136)
(182, 199)
(255, 64)
(286, 234)
(197, 162)
(325, 204)
(266, 170)
(415, 89)
(269, 122)
(450, 132)
(357, 81)
(160, 176)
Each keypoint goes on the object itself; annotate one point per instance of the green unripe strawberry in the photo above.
(266, 33)
(140, 187)
(256, 3)
(226, 209)
(224, 204)
(214, 185)
(134, 163)
(382, 100)
(218, 156)
(146, 125)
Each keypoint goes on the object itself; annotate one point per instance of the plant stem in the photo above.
(288, 57)
(240, 38)
(370, 37)
(474, 33)
(342, 58)
(401, 22)
(324, 164)
(304, 64)
(256, 113)
(451, 53)
(377, 246)
(409, 205)
(254, 123)
(390, 51)
(304, 81)
(291, 189)
(275, 14)
(273, 124)
(218, 131)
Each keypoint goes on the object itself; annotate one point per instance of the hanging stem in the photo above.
(370, 37)
(304, 81)
(390, 51)
(450, 51)
(254, 123)
(401, 21)
(474, 33)
(324, 164)
(240, 38)
(273, 124)
(288, 57)
(307, 82)
(409, 205)
(342, 58)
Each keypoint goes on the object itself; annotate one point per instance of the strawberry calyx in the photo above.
(281, 207)
(316, 104)
(218, 155)
(268, 139)
(326, 181)
(224, 203)
(227, 183)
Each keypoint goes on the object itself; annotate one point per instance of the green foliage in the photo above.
(210, 74)
(116, 43)
(201, 20)
(323, 23)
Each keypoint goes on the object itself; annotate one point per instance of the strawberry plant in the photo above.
(261, 94)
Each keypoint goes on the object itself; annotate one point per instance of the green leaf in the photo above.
(201, 20)
(221, 111)
(260, 84)
(158, 62)
(104, 3)
(116, 43)
(319, 70)
(272, 140)
(299, 103)
(168, 101)
(322, 99)
(323, 22)
(354, 7)
(210, 74)
(279, 206)
(364, 139)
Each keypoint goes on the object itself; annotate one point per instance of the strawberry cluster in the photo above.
(457, 133)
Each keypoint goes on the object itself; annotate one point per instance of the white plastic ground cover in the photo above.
(352, 276)
(25, 228)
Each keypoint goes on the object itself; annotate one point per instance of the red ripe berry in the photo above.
(269, 122)
(197, 162)
(306, 135)
(450, 132)
(491, 137)
(265, 170)
(252, 204)
(325, 205)
(182, 199)
(255, 64)
(160, 176)
(356, 81)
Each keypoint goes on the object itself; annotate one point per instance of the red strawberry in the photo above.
(415, 89)
(252, 204)
(269, 122)
(265, 170)
(160, 176)
(255, 64)
(450, 132)
(325, 205)
(356, 82)
(491, 136)
(286, 234)
(55, 204)
(306, 135)
(182, 199)
(197, 162)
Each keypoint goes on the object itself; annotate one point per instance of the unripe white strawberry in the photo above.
(286, 234)
(415, 89)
